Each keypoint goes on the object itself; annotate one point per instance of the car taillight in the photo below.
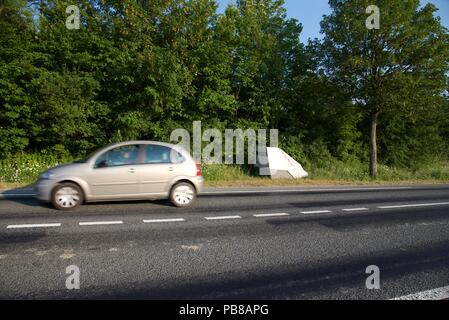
(198, 170)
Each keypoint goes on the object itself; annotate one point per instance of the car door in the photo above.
(160, 166)
(115, 173)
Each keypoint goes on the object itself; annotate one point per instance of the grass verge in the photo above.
(24, 170)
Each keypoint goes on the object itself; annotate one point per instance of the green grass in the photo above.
(24, 169)
(356, 171)
(221, 172)
(331, 172)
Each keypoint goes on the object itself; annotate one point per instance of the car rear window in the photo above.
(155, 154)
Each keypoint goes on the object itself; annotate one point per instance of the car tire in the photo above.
(67, 196)
(183, 195)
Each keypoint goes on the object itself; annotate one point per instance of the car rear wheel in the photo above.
(183, 195)
(67, 196)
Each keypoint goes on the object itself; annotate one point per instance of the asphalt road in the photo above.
(271, 244)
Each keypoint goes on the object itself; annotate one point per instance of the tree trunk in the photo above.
(373, 145)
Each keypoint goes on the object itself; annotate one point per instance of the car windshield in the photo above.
(93, 153)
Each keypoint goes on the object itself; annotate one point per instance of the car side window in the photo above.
(121, 156)
(155, 154)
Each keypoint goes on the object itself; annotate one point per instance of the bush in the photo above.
(25, 168)
(222, 172)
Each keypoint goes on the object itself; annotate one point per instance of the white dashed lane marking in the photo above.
(42, 225)
(271, 215)
(355, 209)
(100, 223)
(316, 212)
(217, 218)
(163, 220)
(222, 218)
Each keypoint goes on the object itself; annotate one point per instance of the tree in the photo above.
(264, 47)
(398, 69)
(16, 70)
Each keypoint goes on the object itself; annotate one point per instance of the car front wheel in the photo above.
(183, 195)
(67, 196)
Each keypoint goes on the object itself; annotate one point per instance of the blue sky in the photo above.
(310, 12)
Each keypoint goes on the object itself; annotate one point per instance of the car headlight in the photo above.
(48, 175)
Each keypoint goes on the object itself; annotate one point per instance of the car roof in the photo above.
(125, 143)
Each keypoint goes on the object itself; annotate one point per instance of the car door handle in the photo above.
(132, 170)
(171, 169)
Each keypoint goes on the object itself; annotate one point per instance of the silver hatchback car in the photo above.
(134, 170)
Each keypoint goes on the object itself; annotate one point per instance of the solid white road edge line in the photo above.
(18, 194)
(314, 212)
(223, 218)
(433, 294)
(271, 215)
(163, 220)
(415, 205)
(43, 225)
(251, 191)
(302, 190)
(100, 223)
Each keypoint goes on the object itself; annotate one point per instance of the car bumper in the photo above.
(43, 188)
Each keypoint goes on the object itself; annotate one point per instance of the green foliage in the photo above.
(217, 172)
(140, 69)
(25, 168)
(398, 72)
